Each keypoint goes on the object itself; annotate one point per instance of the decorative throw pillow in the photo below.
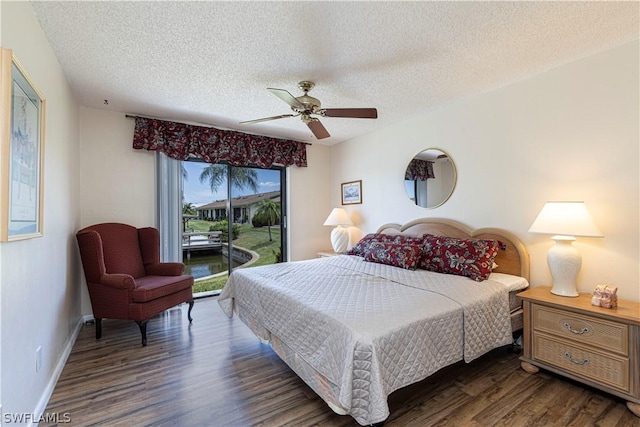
(359, 248)
(403, 255)
(362, 247)
(471, 258)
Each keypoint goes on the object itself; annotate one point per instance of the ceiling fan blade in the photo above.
(354, 113)
(286, 97)
(268, 118)
(318, 129)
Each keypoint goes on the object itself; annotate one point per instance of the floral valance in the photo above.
(181, 141)
(419, 170)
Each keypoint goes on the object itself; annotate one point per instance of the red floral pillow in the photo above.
(363, 246)
(471, 258)
(359, 248)
(403, 255)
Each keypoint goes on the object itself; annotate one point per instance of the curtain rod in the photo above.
(133, 116)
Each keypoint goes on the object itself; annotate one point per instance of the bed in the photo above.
(355, 329)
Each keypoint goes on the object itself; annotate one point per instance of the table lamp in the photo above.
(565, 220)
(339, 235)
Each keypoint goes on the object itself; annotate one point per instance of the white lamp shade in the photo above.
(338, 216)
(565, 218)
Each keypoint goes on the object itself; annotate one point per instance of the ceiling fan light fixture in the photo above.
(306, 105)
(310, 103)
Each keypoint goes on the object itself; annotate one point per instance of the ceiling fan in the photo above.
(305, 106)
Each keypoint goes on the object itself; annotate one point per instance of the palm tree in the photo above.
(270, 212)
(185, 177)
(188, 209)
(241, 178)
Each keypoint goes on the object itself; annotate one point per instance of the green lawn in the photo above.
(254, 239)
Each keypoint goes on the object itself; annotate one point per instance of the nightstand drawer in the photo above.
(602, 368)
(585, 330)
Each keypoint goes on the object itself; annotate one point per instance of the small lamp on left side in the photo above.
(339, 235)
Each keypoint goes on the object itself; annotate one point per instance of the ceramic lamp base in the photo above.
(339, 239)
(564, 263)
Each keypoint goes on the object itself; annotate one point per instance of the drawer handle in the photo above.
(575, 331)
(577, 362)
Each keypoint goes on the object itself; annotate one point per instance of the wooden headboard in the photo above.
(513, 259)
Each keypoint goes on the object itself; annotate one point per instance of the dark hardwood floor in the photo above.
(216, 373)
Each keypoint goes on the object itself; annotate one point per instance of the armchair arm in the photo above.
(118, 281)
(164, 269)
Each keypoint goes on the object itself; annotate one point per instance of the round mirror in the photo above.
(430, 178)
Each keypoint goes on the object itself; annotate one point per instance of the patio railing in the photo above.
(201, 241)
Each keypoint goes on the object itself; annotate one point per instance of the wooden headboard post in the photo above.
(513, 259)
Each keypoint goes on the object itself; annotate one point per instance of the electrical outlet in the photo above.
(38, 358)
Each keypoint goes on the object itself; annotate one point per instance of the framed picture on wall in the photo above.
(21, 152)
(352, 192)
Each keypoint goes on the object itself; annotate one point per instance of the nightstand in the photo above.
(593, 345)
(323, 254)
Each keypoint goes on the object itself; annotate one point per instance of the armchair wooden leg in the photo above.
(189, 311)
(143, 331)
(98, 322)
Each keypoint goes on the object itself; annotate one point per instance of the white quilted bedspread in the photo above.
(371, 328)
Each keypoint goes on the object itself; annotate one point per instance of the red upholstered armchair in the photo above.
(125, 277)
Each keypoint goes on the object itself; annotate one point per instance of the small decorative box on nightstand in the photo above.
(594, 345)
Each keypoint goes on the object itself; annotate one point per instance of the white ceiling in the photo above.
(211, 62)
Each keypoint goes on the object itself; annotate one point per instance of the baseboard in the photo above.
(62, 360)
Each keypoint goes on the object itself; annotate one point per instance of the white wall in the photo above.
(40, 278)
(310, 194)
(571, 133)
(117, 182)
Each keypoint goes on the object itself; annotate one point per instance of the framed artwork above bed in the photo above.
(351, 192)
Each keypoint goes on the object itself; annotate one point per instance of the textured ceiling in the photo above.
(211, 62)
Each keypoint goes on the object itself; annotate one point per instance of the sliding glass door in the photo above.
(231, 217)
